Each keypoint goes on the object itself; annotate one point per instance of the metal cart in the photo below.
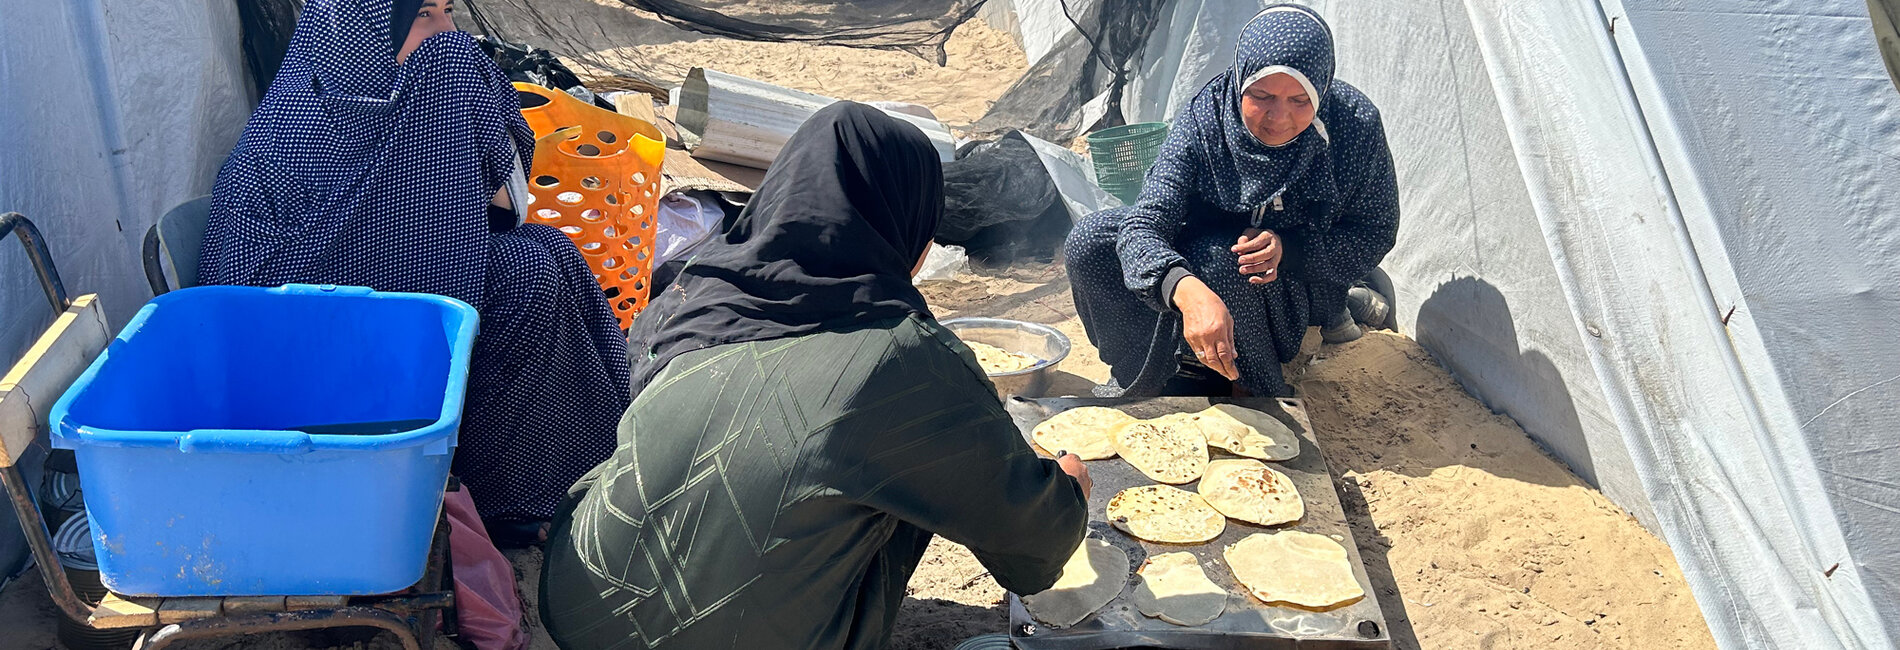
(27, 394)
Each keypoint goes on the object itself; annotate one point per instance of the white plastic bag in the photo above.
(942, 263)
(685, 221)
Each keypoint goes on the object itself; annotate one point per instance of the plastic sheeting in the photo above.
(114, 111)
(1589, 194)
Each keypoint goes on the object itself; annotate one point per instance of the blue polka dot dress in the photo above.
(1330, 194)
(355, 170)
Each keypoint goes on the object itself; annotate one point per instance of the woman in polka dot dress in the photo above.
(379, 158)
(1272, 196)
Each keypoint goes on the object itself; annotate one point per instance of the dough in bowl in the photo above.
(995, 360)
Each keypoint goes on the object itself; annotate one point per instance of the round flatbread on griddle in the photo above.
(1248, 490)
(1173, 588)
(1091, 578)
(1294, 567)
(1247, 432)
(1165, 514)
(1167, 451)
(1088, 432)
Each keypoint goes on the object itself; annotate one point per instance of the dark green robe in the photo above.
(779, 494)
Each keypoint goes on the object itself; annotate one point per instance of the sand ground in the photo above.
(1475, 538)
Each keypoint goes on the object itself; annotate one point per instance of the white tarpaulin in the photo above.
(114, 111)
(1656, 238)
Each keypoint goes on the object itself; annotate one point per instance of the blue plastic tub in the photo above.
(200, 475)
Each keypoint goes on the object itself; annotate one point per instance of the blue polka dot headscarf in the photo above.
(357, 170)
(1290, 40)
(1242, 172)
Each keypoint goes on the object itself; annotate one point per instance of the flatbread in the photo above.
(1173, 588)
(1166, 514)
(995, 360)
(1091, 578)
(1087, 432)
(1294, 567)
(1166, 451)
(1247, 432)
(1248, 490)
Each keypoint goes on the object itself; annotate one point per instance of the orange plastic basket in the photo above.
(596, 177)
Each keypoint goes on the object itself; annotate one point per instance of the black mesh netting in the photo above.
(601, 36)
(268, 25)
(1095, 59)
(918, 26)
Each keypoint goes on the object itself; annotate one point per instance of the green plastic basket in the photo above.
(1123, 154)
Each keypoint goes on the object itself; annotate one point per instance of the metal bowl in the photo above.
(1043, 342)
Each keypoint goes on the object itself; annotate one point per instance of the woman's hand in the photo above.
(1260, 252)
(1071, 464)
(1207, 326)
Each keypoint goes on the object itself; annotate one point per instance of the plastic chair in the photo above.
(596, 177)
(175, 241)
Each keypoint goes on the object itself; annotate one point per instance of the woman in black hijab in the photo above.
(802, 427)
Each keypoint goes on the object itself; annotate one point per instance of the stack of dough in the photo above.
(995, 360)
(1294, 567)
(1088, 432)
(1250, 491)
(1093, 576)
(1167, 451)
(1169, 515)
(1173, 588)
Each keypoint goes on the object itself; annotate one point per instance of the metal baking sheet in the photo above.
(1247, 623)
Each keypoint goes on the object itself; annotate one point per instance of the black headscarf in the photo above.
(827, 242)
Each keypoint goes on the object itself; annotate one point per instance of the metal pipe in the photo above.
(37, 254)
(41, 543)
(746, 122)
(281, 622)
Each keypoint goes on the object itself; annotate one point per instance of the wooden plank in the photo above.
(638, 106)
(116, 612)
(179, 610)
(30, 388)
(253, 604)
(681, 171)
(293, 603)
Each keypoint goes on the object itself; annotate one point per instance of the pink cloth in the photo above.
(487, 608)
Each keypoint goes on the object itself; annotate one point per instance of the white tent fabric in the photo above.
(1775, 130)
(114, 111)
(1654, 237)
